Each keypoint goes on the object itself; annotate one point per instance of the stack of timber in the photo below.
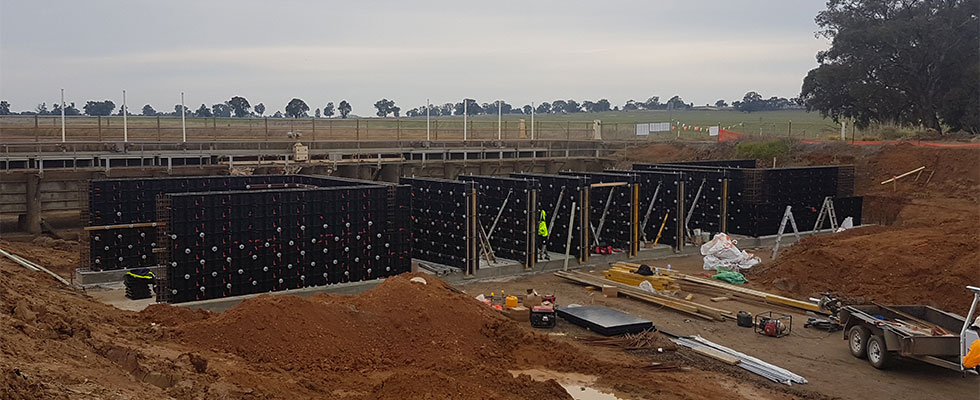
(684, 306)
(718, 288)
(660, 283)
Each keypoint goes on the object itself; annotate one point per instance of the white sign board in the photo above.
(713, 131)
(660, 127)
(642, 129)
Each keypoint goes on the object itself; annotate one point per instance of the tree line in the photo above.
(239, 107)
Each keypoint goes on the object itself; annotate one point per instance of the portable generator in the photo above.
(773, 324)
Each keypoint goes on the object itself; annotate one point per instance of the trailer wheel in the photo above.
(857, 341)
(877, 352)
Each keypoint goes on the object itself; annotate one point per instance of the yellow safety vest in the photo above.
(542, 226)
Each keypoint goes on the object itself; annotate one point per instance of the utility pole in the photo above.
(427, 134)
(62, 115)
(125, 127)
(499, 129)
(183, 121)
(532, 120)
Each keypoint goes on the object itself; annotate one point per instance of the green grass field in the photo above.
(615, 125)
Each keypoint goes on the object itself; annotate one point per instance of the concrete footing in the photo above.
(87, 278)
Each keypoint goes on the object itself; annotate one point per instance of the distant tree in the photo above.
(99, 108)
(489, 108)
(123, 108)
(41, 109)
(721, 104)
(601, 106)
(898, 61)
(260, 109)
(572, 106)
(70, 110)
(55, 109)
(239, 105)
(558, 106)
(297, 108)
(278, 114)
(527, 109)
(543, 108)
(472, 108)
(316, 113)
(587, 106)
(385, 107)
(187, 111)
(329, 110)
(616, 108)
(343, 108)
(677, 103)
(631, 105)
(149, 111)
(446, 109)
(652, 103)
(222, 110)
(4, 107)
(753, 101)
(203, 112)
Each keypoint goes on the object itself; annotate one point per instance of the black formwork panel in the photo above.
(717, 163)
(569, 190)
(668, 188)
(763, 219)
(757, 198)
(240, 242)
(506, 212)
(619, 227)
(133, 201)
(787, 185)
(710, 194)
(444, 222)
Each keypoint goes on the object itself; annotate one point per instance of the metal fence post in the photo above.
(37, 138)
(266, 128)
(313, 121)
(159, 135)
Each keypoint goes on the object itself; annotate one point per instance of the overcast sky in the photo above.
(320, 51)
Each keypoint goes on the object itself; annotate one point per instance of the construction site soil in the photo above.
(401, 340)
(406, 340)
(924, 247)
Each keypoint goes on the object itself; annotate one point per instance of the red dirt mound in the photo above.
(167, 315)
(424, 336)
(918, 265)
(664, 152)
(59, 256)
(950, 173)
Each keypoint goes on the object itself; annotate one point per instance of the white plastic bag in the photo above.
(721, 251)
(848, 223)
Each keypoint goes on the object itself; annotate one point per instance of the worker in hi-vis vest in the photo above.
(543, 237)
